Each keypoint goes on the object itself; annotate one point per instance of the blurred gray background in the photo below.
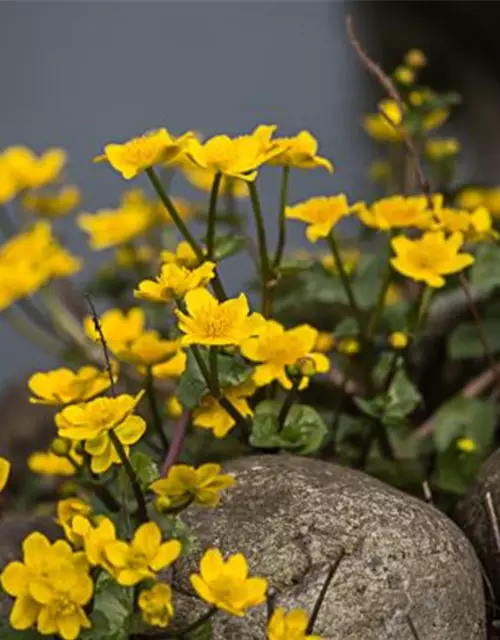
(81, 74)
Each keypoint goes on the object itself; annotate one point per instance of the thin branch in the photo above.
(176, 444)
(492, 516)
(329, 577)
(412, 627)
(105, 350)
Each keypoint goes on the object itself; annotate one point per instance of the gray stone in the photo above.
(292, 517)
(475, 519)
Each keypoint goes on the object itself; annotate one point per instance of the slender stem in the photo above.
(174, 214)
(379, 305)
(423, 307)
(317, 605)
(282, 219)
(104, 344)
(214, 370)
(139, 496)
(180, 635)
(212, 215)
(289, 402)
(155, 412)
(265, 269)
(176, 444)
(221, 399)
(63, 317)
(182, 227)
(104, 495)
(345, 279)
(32, 331)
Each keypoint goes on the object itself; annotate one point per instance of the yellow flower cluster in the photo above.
(31, 259)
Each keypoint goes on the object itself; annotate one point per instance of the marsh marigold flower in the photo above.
(174, 282)
(49, 463)
(52, 205)
(415, 58)
(51, 586)
(440, 148)
(69, 509)
(321, 214)
(396, 212)
(235, 157)
(475, 225)
(174, 367)
(96, 540)
(30, 171)
(173, 407)
(185, 484)
(467, 445)
(226, 584)
(379, 126)
(118, 327)
(398, 340)
(156, 605)
(429, 258)
(211, 415)
(147, 350)
(141, 558)
(183, 256)
(4, 472)
(155, 147)
(301, 152)
(204, 178)
(404, 75)
(210, 322)
(9, 187)
(289, 626)
(63, 386)
(277, 349)
(92, 421)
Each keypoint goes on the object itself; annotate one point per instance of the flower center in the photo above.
(138, 560)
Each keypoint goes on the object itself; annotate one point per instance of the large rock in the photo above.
(476, 520)
(292, 517)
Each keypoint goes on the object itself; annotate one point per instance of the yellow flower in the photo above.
(4, 472)
(155, 147)
(226, 584)
(277, 349)
(404, 75)
(350, 258)
(289, 626)
(492, 201)
(467, 445)
(174, 367)
(51, 586)
(130, 256)
(396, 212)
(147, 350)
(96, 540)
(118, 327)
(173, 407)
(349, 346)
(67, 511)
(183, 208)
(52, 205)
(379, 126)
(32, 172)
(9, 187)
(185, 484)
(430, 257)
(471, 198)
(141, 558)
(183, 256)
(48, 463)
(415, 58)
(156, 605)
(211, 415)
(440, 148)
(324, 342)
(235, 157)
(112, 227)
(63, 386)
(475, 225)
(210, 322)
(398, 340)
(321, 214)
(92, 422)
(203, 179)
(300, 152)
(174, 282)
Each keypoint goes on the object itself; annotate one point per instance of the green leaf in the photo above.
(464, 341)
(203, 632)
(346, 328)
(485, 272)
(230, 245)
(402, 398)
(8, 633)
(233, 370)
(112, 610)
(373, 408)
(464, 417)
(303, 431)
(145, 468)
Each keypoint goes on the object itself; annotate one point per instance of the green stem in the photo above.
(265, 269)
(214, 372)
(182, 227)
(424, 299)
(332, 242)
(157, 421)
(32, 331)
(104, 495)
(177, 635)
(290, 399)
(221, 399)
(134, 483)
(212, 216)
(379, 305)
(174, 214)
(282, 219)
(63, 317)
